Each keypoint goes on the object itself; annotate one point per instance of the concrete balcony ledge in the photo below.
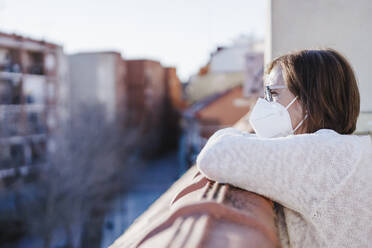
(197, 212)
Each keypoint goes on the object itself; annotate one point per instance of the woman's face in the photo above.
(284, 97)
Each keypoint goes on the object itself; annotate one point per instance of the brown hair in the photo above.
(326, 86)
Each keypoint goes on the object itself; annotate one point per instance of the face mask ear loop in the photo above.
(299, 124)
(294, 99)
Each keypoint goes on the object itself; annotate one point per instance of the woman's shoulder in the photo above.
(365, 139)
(361, 143)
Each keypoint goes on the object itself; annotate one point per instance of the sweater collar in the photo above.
(325, 131)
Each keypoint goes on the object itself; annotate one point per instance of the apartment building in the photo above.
(32, 73)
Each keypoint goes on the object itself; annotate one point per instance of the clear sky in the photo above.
(177, 33)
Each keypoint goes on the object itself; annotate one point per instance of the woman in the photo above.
(303, 155)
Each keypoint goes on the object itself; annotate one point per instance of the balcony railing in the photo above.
(196, 212)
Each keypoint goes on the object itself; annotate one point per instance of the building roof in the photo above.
(199, 105)
(202, 86)
(224, 110)
(219, 110)
(104, 52)
(37, 44)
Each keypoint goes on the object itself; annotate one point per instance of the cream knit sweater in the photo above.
(323, 181)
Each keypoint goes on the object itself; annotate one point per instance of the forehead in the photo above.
(275, 77)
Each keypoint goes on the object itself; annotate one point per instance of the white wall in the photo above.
(233, 58)
(230, 59)
(340, 24)
(93, 80)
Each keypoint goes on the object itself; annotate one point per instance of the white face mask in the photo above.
(271, 119)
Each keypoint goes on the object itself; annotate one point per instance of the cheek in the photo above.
(299, 110)
(280, 100)
(296, 112)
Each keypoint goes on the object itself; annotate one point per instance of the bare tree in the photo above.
(93, 159)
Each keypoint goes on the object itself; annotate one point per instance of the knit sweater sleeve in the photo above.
(298, 171)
